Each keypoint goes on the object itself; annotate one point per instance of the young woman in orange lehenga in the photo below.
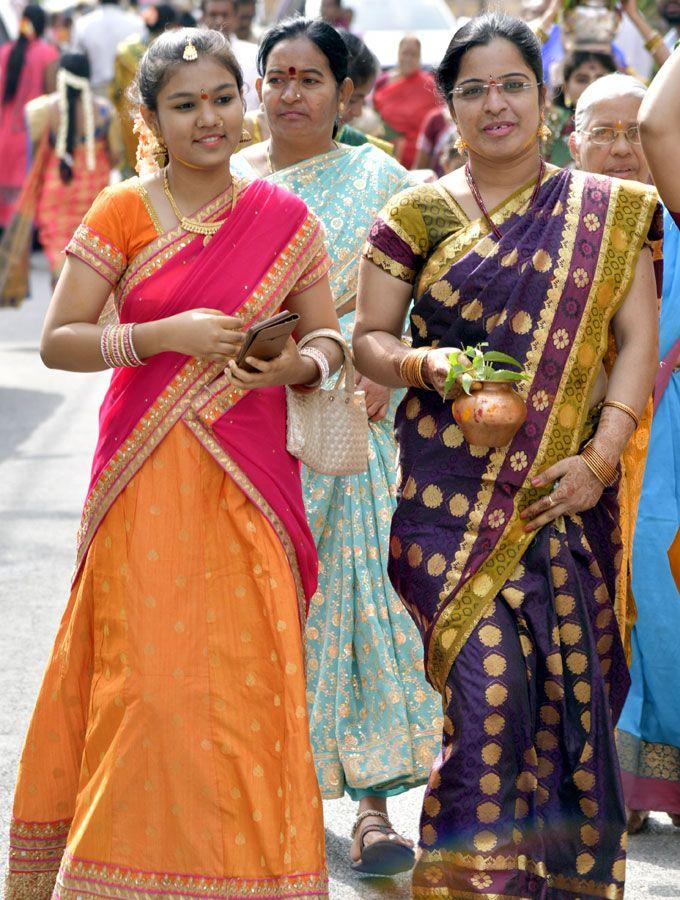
(169, 753)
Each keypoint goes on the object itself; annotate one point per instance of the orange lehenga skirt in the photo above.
(169, 753)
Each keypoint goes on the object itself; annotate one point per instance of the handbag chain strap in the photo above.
(346, 377)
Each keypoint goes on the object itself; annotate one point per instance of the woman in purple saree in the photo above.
(515, 586)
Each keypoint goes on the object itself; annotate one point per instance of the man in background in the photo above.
(244, 29)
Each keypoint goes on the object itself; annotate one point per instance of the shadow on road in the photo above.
(21, 412)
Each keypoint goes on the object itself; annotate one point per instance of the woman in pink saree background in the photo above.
(28, 69)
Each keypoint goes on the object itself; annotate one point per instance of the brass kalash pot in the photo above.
(491, 415)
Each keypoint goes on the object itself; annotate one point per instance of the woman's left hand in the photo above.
(287, 368)
(377, 397)
(578, 490)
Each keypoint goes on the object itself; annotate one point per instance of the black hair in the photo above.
(577, 58)
(363, 64)
(167, 15)
(77, 64)
(17, 55)
(574, 61)
(166, 54)
(479, 32)
(186, 20)
(320, 33)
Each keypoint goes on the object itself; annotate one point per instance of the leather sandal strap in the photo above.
(382, 829)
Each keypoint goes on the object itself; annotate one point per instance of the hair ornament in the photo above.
(151, 153)
(190, 53)
(66, 80)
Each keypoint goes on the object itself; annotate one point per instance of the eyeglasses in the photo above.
(481, 89)
(607, 134)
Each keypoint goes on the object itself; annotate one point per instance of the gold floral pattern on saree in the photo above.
(629, 212)
(441, 861)
(647, 759)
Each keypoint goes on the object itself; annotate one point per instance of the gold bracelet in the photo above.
(604, 471)
(411, 368)
(653, 41)
(616, 404)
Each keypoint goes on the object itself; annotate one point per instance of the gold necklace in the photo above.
(208, 229)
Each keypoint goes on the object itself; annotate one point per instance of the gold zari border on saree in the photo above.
(567, 418)
(468, 862)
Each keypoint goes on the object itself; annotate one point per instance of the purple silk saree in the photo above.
(519, 630)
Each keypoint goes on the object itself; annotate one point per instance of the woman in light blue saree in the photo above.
(649, 727)
(375, 722)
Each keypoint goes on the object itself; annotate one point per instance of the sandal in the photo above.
(385, 857)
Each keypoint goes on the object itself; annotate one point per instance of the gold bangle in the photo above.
(653, 41)
(411, 368)
(603, 470)
(616, 404)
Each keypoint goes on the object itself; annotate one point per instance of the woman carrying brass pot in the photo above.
(510, 558)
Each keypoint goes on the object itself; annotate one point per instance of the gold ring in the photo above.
(551, 500)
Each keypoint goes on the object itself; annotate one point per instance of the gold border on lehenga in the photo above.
(460, 615)
(76, 877)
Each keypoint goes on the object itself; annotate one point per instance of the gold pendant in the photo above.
(207, 239)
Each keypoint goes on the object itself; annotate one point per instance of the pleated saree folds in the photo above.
(520, 632)
(169, 754)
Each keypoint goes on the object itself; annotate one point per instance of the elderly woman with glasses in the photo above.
(512, 559)
(608, 140)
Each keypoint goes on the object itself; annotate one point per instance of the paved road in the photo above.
(47, 428)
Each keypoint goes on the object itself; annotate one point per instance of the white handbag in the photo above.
(328, 429)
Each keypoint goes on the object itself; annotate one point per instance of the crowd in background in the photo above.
(69, 129)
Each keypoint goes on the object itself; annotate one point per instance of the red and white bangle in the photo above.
(118, 348)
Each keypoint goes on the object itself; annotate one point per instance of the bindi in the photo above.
(204, 94)
(292, 71)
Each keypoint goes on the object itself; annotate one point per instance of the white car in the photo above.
(383, 23)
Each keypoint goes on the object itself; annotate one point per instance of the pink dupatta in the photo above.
(248, 268)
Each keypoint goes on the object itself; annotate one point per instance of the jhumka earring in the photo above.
(245, 136)
(461, 145)
(543, 133)
(160, 151)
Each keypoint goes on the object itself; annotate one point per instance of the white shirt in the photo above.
(246, 56)
(98, 34)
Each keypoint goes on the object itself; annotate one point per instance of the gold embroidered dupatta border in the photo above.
(618, 256)
(197, 394)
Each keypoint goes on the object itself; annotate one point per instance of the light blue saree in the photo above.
(375, 722)
(649, 727)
